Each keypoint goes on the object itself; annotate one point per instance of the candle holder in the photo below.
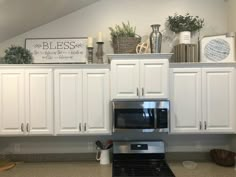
(99, 53)
(90, 55)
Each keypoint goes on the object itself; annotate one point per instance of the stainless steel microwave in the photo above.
(144, 115)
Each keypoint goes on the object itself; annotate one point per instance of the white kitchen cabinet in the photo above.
(38, 102)
(143, 78)
(154, 78)
(125, 78)
(202, 100)
(82, 101)
(218, 99)
(96, 101)
(185, 99)
(68, 101)
(11, 101)
(26, 102)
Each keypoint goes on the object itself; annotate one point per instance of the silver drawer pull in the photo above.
(28, 127)
(205, 124)
(142, 91)
(85, 127)
(200, 125)
(22, 127)
(80, 127)
(137, 92)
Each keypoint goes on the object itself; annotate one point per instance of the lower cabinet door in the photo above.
(96, 98)
(11, 102)
(68, 101)
(39, 101)
(185, 86)
(218, 99)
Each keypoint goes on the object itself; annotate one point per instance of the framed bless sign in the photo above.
(57, 50)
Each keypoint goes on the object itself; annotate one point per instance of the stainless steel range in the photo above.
(140, 158)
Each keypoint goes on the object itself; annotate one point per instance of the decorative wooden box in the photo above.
(186, 53)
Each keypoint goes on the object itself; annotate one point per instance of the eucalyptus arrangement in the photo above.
(180, 23)
(17, 55)
(124, 38)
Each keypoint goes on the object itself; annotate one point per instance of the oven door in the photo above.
(142, 116)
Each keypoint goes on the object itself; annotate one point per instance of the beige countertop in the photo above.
(93, 169)
(203, 169)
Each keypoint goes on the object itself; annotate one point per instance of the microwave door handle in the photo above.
(144, 115)
(150, 115)
(155, 118)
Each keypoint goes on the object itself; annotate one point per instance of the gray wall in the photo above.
(141, 13)
(85, 144)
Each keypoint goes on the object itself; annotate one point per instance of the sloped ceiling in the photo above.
(19, 16)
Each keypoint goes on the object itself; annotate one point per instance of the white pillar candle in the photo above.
(100, 37)
(90, 42)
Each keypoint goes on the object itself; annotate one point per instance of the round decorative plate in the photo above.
(217, 50)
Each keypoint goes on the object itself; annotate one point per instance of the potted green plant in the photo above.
(17, 55)
(124, 38)
(184, 25)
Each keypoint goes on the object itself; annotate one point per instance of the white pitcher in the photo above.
(103, 156)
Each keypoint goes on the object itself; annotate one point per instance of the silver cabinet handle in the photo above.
(80, 127)
(27, 127)
(85, 127)
(200, 125)
(142, 91)
(205, 125)
(137, 92)
(22, 127)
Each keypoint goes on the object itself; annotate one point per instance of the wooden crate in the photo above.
(186, 53)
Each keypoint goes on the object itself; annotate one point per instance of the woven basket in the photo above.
(223, 157)
(125, 44)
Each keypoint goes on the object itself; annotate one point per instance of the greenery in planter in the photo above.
(179, 23)
(124, 38)
(125, 30)
(17, 55)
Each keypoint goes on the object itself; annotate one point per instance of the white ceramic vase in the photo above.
(185, 37)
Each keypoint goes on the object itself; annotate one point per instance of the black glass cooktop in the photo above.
(146, 168)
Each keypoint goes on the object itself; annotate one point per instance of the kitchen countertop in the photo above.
(93, 169)
(203, 169)
(59, 169)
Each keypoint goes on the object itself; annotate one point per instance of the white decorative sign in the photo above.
(57, 50)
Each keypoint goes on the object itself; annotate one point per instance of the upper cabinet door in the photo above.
(125, 79)
(154, 78)
(11, 102)
(39, 103)
(185, 87)
(218, 99)
(96, 99)
(68, 101)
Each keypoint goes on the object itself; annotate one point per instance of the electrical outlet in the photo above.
(17, 148)
(91, 147)
(198, 147)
